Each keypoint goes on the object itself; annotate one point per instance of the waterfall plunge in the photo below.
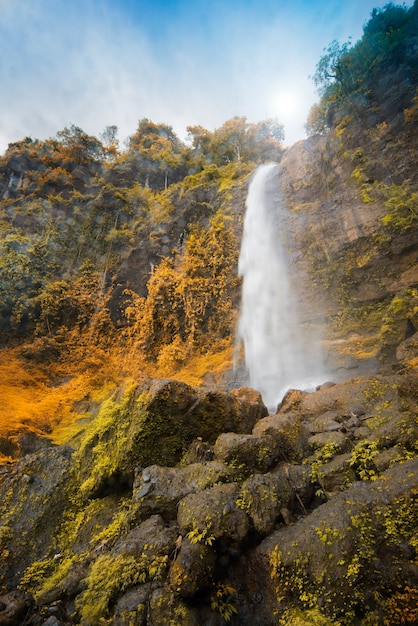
(278, 353)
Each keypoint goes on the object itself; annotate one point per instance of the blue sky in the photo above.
(94, 63)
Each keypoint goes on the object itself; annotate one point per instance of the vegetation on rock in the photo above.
(139, 487)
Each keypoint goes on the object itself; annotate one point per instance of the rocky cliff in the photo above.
(170, 504)
(129, 497)
(177, 506)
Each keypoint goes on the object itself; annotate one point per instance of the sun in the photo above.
(286, 105)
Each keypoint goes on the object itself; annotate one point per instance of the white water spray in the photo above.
(278, 355)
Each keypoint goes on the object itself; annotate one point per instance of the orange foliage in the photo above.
(30, 402)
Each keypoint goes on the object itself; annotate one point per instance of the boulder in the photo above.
(213, 514)
(193, 569)
(154, 424)
(159, 489)
(341, 441)
(290, 435)
(267, 497)
(351, 550)
(251, 451)
(34, 497)
(14, 607)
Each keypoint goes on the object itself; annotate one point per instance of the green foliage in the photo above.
(313, 617)
(348, 76)
(102, 463)
(223, 601)
(324, 456)
(73, 202)
(189, 301)
(236, 141)
(110, 575)
(197, 535)
(361, 459)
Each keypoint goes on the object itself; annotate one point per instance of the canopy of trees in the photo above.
(380, 70)
(75, 208)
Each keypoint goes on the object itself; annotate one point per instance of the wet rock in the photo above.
(151, 536)
(155, 423)
(165, 608)
(401, 429)
(337, 475)
(198, 452)
(321, 551)
(53, 621)
(386, 459)
(132, 606)
(193, 569)
(213, 514)
(350, 397)
(290, 435)
(265, 497)
(14, 607)
(252, 451)
(166, 486)
(34, 499)
(30, 442)
(322, 439)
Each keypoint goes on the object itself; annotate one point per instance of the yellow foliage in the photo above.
(32, 400)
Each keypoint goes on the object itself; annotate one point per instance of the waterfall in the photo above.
(278, 354)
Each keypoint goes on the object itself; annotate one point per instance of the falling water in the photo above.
(278, 356)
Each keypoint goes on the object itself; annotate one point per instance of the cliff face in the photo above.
(175, 505)
(351, 266)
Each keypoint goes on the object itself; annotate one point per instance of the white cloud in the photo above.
(95, 62)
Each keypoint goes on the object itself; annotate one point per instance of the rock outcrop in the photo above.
(309, 514)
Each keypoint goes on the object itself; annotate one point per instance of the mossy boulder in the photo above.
(347, 557)
(289, 433)
(193, 569)
(358, 396)
(269, 498)
(159, 489)
(213, 514)
(250, 537)
(252, 451)
(34, 496)
(154, 424)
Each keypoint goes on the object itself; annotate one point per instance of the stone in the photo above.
(290, 434)
(193, 568)
(264, 497)
(337, 475)
(251, 451)
(322, 439)
(35, 497)
(155, 423)
(213, 513)
(320, 552)
(16, 604)
(168, 485)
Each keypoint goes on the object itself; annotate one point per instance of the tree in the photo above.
(81, 148)
(318, 120)
(332, 70)
(159, 148)
(110, 142)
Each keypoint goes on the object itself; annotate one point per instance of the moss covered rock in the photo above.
(141, 426)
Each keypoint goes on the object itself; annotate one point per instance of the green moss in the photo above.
(400, 519)
(323, 456)
(44, 577)
(361, 459)
(312, 617)
(103, 445)
(110, 575)
(196, 535)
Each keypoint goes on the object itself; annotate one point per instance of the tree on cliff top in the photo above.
(353, 78)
